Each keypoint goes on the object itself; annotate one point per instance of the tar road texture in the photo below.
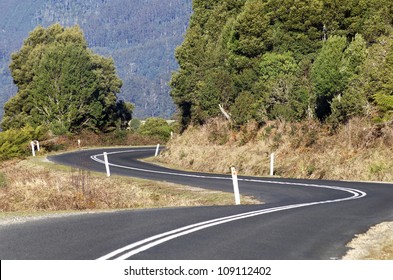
(299, 219)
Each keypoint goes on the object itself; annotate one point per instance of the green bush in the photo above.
(15, 143)
(156, 127)
(247, 107)
(134, 125)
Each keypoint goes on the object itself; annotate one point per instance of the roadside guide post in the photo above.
(108, 172)
(272, 164)
(32, 148)
(34, 144)
(235, 185)
(157, 149)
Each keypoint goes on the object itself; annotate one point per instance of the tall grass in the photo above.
(28, 186)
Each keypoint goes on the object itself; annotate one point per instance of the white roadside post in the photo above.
(79, 143)
(272, 164)
(157, 149)
(235, 185)
(38, 145)
(32, 148)
(108, 172)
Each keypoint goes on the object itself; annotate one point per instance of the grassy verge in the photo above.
(36, 186)
(359, 151)
(375, 244)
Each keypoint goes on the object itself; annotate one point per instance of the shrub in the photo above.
(156, 127)
(15, 143)
(247, 107)
(135, 124)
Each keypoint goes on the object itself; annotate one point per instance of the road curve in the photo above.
(301, 219)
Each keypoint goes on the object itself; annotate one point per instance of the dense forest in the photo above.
(140, 36)
(262, 60)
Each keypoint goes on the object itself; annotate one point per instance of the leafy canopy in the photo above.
(284, 59)
(62, 84)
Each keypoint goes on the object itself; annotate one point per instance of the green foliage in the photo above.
(346, 106)
(63, 85)
(15, 143)
(375, 80)
(282, 59)
(156, 127)
(246, 108)
(277, 79)
(326, 75)
(135, 124)
(335, 76)
(203, 80)
(352, 102)
(249, 31)
(383, 96)
(140, 36)
(123, 114)
(385, 104)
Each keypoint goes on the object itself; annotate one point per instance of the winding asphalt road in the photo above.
(301, 219)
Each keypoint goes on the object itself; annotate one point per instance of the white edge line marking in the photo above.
(145, 244)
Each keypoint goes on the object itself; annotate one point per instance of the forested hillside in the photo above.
(286, 59)
(308, 80)
(140, 35)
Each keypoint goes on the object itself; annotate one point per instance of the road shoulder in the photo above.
(375, 244)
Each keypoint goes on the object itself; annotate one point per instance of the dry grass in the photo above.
(91, 139)
(358, 151)
(376, 244)
(28, 187)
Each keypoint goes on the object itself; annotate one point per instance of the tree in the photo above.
(281, 59)
(327, 76)
(63, 84)
(203, 82)
(246, 107)
(277, 79)
(353, 101)
(376, 76)
(250, 36)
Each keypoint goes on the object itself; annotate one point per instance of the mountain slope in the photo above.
(140, 35)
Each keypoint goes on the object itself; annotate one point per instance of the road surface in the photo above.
(300, 219)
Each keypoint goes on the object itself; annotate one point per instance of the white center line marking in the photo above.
(148, 243)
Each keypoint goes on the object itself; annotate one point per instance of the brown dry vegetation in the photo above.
(32, 186)
(91, 139)
(356, 151)
(376, 244)
(360, 150)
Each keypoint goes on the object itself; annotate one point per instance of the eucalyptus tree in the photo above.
(62, 84)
